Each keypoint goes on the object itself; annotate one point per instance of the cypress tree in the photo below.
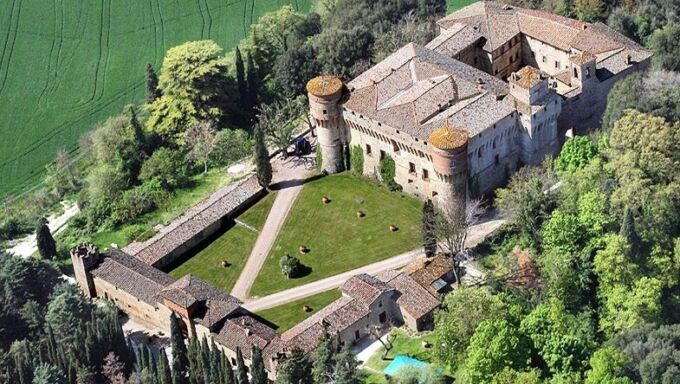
(178, 376)
(179, 349)
(215, 367)
(152, 91)
(628, 231)
(47, 247)
(227, 371)
(264, 167)
(323, 359)
(296, 368)
(241, 374)
(429, 237)
(253, 79)
(241, 81)
(163, 368)
(195, 364)
(257, 373)
(346, 368)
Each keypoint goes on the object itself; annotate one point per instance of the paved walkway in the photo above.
(289, 177)
(477, 234)
(27, 246)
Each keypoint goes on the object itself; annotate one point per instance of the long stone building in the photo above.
(496, 89)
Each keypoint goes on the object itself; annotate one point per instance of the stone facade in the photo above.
(514, 79)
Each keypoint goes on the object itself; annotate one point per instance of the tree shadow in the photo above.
(294, 182)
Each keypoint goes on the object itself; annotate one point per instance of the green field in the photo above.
(337, 239)
(233, 246)
(66, 65)
(285, 316)
(454, 5)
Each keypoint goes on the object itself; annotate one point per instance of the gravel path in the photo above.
(288, 179)
(27, 246)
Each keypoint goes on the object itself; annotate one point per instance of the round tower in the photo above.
(324, 107)
(449, 159)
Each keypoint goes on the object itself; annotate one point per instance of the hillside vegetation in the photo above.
(67, 65)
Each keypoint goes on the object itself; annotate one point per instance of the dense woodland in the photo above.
(584, 281)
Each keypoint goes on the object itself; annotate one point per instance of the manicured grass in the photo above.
(234, 246)
(287, 315)
(203, 186)
(454, 5)
(67, 65)
(337, 239)
(404, 344)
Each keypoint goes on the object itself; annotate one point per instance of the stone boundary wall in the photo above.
(199, 222)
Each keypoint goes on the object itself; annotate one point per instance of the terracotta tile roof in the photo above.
(449, 137)
(454, 39)
(413, 298)
(427, 272)
(324, 85)
(527, 77)
(416, 86)
(581, 58)
(243, 332)
(497, 22)
(335, 317)
(195, 220)
(364, 288)
(214, 305)
(129, 274)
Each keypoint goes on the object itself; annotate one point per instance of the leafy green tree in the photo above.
(666, 47)
(47, 246)
(48, 374)
(192, 81)
(495, 345)
(462, 312)
(510, 376)
(201, 140)
(563, 340)
(340, 50)
(294, 68)
(120, 143)
(278, 121)
(524, 200)
(152, 91)
(652, 352)
(262, 164)
(324, 358)
(607, 367)
(231, 145)
(167, 167)
(589, 10)
(562, 232)
(576, 154)
(346, 371)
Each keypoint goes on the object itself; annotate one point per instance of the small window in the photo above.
(357, 335)
(557, 64)
(496, 160)
(411, 168)
(575, 73)
(479, 152)
(545, 59)
(426, 174)
(324, 111)
(382, 154)
(368, 149)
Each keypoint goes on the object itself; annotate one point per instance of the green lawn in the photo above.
(203, 186)
(234, 246)
(454, 5)
(337, 239)
(404, 344)
(67, 65)
(287, 315)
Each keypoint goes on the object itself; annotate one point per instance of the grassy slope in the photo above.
(454, 5)
(338, 240)
(233, 246)
(285, 316)
(66, 65)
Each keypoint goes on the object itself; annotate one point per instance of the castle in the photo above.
(498, 88)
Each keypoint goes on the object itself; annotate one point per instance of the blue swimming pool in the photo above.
(402, 361)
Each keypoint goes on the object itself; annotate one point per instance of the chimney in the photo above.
(629, 59)
(248, 332)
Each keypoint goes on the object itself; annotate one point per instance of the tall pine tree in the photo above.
(152, 91)
(262, 164)
(429, 237)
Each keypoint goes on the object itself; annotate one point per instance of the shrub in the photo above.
(137, 232)
(12, 227)
(133, 203)
(291, 267)
(231, 145)
(357, 156)
(576, 154)
(168, 167)
(387, 170)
